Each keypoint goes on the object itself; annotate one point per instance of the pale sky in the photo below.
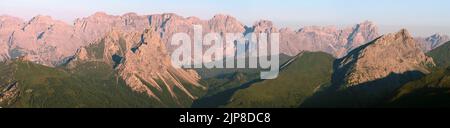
(421, 17)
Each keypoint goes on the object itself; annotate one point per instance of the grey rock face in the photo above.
(432, 42)
(328, 39)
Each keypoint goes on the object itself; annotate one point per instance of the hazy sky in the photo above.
(421, 17)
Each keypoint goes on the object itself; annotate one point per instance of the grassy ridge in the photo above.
(223, 82)
(432, 90)
(91, 84)
(441, 55)
(294, 84)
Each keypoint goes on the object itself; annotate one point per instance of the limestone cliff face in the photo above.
(168, 24)
(142, 61)
(330, 39)
(8, 25)
(46, 41)
(51, 42)
(41, 39)
(96, 26)
(395, 53)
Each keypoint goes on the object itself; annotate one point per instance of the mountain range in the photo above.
(390, 71)
(124, 61)
(50, 42)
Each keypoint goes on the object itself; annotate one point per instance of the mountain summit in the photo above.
(395, 53)
(142, 61)
(328, 39)
(432, 42)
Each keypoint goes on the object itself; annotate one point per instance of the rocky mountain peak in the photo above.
(225, 23)
(432, 42)
(437, 39)
(403, 33)
(8, 24)
(368, 24)
(266, 23)
(265, 26)
(368, 29)
(223, 17)
(438, 36)
(395, 53)
(100, 14)
(134, 55)
(330, 39)
(402, 36)
(361, 33)
(39, 22)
